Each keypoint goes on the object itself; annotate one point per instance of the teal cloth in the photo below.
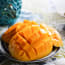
(9, 11)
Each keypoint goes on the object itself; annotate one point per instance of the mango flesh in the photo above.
(30, 41)
(57, 41)
(14, 29)
(33, 44)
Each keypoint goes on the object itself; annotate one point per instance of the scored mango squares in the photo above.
(31, 41)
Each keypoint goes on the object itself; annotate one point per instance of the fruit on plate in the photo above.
(31, 41)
